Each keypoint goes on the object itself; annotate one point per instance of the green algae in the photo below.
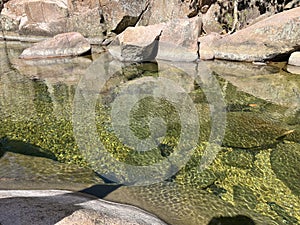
(239, 179)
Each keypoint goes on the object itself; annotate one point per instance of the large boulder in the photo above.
(179, 40)
(67, 44)
(118, 15)
(295, 59)
(163, 11)
(51, 17)
(270, 38)
(137, 43)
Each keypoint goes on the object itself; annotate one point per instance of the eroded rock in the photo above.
(31, 18)
(267, 39)
(118, 15)
(67, 44)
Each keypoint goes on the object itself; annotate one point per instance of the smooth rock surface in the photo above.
(293, 69)
(205, 50)
(137, 43)
(272, 37)
(65, 207)
(179, 40)
(61, 45)
(294, 59)
(264, 82)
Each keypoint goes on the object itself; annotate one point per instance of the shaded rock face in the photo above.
(270, 38)
(51, 17)
(162, 11)
(137, 43)
(67, 44)
(118, 15)
(220, 15)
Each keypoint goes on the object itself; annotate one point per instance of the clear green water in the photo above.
(47, 134)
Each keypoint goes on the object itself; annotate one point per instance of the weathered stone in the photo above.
(118, 15)
(210, 20)
(205, 50)
(267, 39)
(67, 44)
(179, 40)
(163, 11)
(295, 59)
(29, 18)
(137, 43)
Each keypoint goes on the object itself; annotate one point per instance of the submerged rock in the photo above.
(270, 38)
(248, 130)
(61, 45)
(285, 160)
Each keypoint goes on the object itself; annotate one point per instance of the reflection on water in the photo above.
(254, 177)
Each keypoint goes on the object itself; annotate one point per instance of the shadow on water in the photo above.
(235, 220)
(16, 146)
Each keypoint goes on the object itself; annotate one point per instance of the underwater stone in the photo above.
(285, 160)
(249, 130)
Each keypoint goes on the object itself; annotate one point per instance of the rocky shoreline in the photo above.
(148, 30)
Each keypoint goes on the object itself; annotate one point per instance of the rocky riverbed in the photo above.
(234, 64)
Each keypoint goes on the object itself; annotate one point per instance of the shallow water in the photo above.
(192, 141)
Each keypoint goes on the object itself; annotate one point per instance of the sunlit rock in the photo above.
(179, 40)
(272, 37)
(66, 44)
(294, 59)
(137, 43)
